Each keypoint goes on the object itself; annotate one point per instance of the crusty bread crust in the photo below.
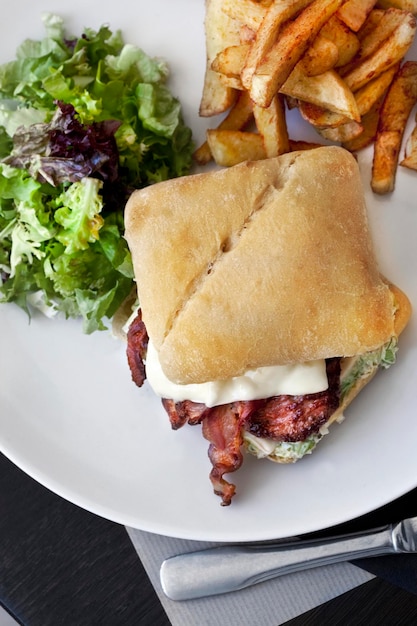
(401, 317)
(267, 262)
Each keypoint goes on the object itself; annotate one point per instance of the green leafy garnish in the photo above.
(83, 122)
(366, 363)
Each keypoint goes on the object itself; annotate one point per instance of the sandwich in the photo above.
(262, 311)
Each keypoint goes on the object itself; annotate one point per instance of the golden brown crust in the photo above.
(401, 318)
(402, 309)
(267, 262)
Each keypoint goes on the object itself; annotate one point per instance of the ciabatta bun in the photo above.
(265, 263)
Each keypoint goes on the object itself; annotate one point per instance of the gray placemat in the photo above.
(267, 604)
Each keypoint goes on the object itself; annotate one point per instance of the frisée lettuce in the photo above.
(83, 122)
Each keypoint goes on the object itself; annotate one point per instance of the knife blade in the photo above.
(229, 568)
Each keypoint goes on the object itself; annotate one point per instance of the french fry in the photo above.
(321, 56)
(370, 23)
(346, 40)
(231, 60)
(272, 126)
(372, 41)
(337, 61)
(281, 59)
(405, 5)
(410, 157)
(277, 14)
(366, 98)
(247, 12)
(389, 53)
(354, 12)
(397, 106)
(220, 32)
(327, 90)
(342, 133)
(238, 117)
(230, 147)
(319, 117)
(372, 91)
(369, 124)
(233, 82)
(247, 35)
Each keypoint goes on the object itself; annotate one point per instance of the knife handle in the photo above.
(229, 568)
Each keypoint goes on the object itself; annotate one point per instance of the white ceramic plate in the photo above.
(71, 418)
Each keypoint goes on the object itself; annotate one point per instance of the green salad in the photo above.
(83, 122)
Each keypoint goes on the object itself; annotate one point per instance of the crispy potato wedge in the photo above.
(370, 23)
(370, 43)
(320, 117)
(327, 90)
(322, 55)
(346, 40)
(369, 124)
(337, 61)
(405, 5)
(343, 133)
(239, 116)
(372, 91)
(354, 12)
(247, 12)
(230, 147)
(272, 126)
(247, 34)
(366, 98)
(277, 14)
(393, 117)
(389, 52)
(231, 60)
(220, 31)
(276, 66)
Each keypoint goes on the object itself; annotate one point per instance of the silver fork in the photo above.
(229, 568)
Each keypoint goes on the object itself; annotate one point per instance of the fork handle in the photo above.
(229, 568)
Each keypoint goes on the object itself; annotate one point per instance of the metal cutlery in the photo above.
(229, 568)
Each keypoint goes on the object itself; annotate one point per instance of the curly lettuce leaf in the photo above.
(84, 121)
(50, 243)
(79, 214)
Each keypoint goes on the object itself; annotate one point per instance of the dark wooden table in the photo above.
(63, 566)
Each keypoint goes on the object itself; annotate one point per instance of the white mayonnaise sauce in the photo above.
(263, 382)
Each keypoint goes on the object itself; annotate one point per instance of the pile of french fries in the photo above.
(339, 62)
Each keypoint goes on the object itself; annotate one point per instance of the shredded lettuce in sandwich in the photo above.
(359, 367)
(365, 364)
(83, 122)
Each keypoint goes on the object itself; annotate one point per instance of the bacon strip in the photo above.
(223, 428)
(137, 345)
(185, 412)
(282, 418)
(294, 418)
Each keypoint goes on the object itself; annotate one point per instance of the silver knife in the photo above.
(229, 568)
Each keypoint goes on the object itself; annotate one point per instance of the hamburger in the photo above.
(262, 311)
